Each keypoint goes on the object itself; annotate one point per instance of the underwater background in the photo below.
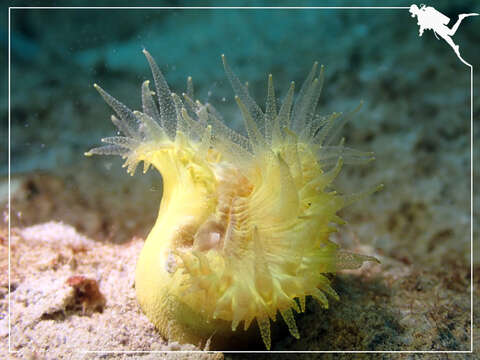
(415, 117)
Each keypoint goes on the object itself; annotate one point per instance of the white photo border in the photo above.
(234, 8)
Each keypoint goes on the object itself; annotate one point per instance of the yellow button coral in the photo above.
(244, 222)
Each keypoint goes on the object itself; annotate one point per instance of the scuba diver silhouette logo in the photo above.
(431, 19)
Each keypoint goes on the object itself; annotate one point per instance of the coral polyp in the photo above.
(243, 228)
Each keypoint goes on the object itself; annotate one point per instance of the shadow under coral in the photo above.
(361, 320)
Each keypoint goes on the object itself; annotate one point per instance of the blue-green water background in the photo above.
(374, 55)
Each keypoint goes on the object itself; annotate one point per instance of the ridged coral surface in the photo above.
(244, 223)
